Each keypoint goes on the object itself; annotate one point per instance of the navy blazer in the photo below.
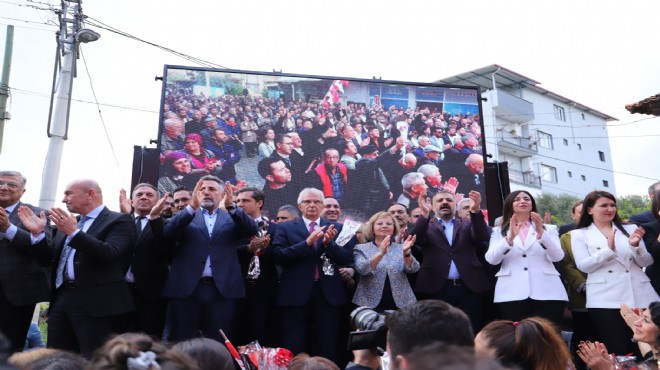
(438, 254)
(23, 273)
(194, 245)
(299, 261)
(100, 276)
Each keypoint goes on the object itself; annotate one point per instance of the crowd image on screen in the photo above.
(353, 152)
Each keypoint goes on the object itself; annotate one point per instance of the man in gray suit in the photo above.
(23, 282)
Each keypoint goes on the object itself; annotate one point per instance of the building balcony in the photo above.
(525, 178)
(512, 108)
(516, 145)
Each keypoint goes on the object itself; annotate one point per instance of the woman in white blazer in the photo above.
(612, 255)
(527, 283)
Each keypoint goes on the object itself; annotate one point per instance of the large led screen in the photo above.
(366, 143)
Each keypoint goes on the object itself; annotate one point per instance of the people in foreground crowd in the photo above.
(646, 329)
(530, 344)
(612, 255)
(132, 351)
(383, 264)
(206, 353)
(424, 323)
(527, 283)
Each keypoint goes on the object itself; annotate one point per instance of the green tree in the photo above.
(629, 205)
(558, 205)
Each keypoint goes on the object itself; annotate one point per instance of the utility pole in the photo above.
(4, 81)
(70, 36)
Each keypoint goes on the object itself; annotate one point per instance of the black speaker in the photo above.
(497, 188)
(145, 166)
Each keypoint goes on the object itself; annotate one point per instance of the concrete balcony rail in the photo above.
(525, 178)
(516, 145)
(512, 108)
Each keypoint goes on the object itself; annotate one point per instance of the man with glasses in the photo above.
(311, 294)
(23, 282)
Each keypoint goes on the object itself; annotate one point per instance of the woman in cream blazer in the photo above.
(612, 255)
(527, 283)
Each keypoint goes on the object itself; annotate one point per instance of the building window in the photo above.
(601, 155)
(559, 113)
(548, 173)
(565, 142)
(579, 146)
(570, 174)
(545, 140)
(584, 178)
(606, 184)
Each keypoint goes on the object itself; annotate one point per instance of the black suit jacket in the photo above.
(267, 282)
(99, 275)
(149, 260)
(652, 230)
(465, 250)
(24, 267)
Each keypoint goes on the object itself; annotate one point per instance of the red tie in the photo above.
(312, 227)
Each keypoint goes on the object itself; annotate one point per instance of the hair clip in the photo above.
(145, 361)
(515, 323)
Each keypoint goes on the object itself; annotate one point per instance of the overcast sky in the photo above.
(598, 54)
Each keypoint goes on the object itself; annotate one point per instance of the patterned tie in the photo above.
(312, 227)
(59, 277)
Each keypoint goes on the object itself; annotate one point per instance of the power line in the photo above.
(99, 24)
(586, 165)
(105, 129)
(29, 92)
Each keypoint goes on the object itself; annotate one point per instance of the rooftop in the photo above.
(483, 78)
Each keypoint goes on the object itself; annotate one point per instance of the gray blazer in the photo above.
(371, 283)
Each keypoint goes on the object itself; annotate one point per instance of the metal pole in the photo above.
(58, 129)
(4, 81)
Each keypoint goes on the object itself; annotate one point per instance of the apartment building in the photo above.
(552, 144)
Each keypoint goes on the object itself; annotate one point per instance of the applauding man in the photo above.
(205, 279)
(89, 289)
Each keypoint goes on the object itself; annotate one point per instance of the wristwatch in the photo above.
(231, 206)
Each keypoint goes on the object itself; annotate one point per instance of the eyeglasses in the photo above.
(311, 201)
(10, 185)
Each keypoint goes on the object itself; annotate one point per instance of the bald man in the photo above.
(89, 290)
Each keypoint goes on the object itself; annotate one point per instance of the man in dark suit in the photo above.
(257, 310)
(470, 176)
(89, 290)
(205, 279)
(311, 293)
(23, 281)
(452, 271)
(146, 264)
(576, 212)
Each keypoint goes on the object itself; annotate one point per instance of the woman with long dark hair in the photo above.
(531, 344)
(527, 283)
(612, 255)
